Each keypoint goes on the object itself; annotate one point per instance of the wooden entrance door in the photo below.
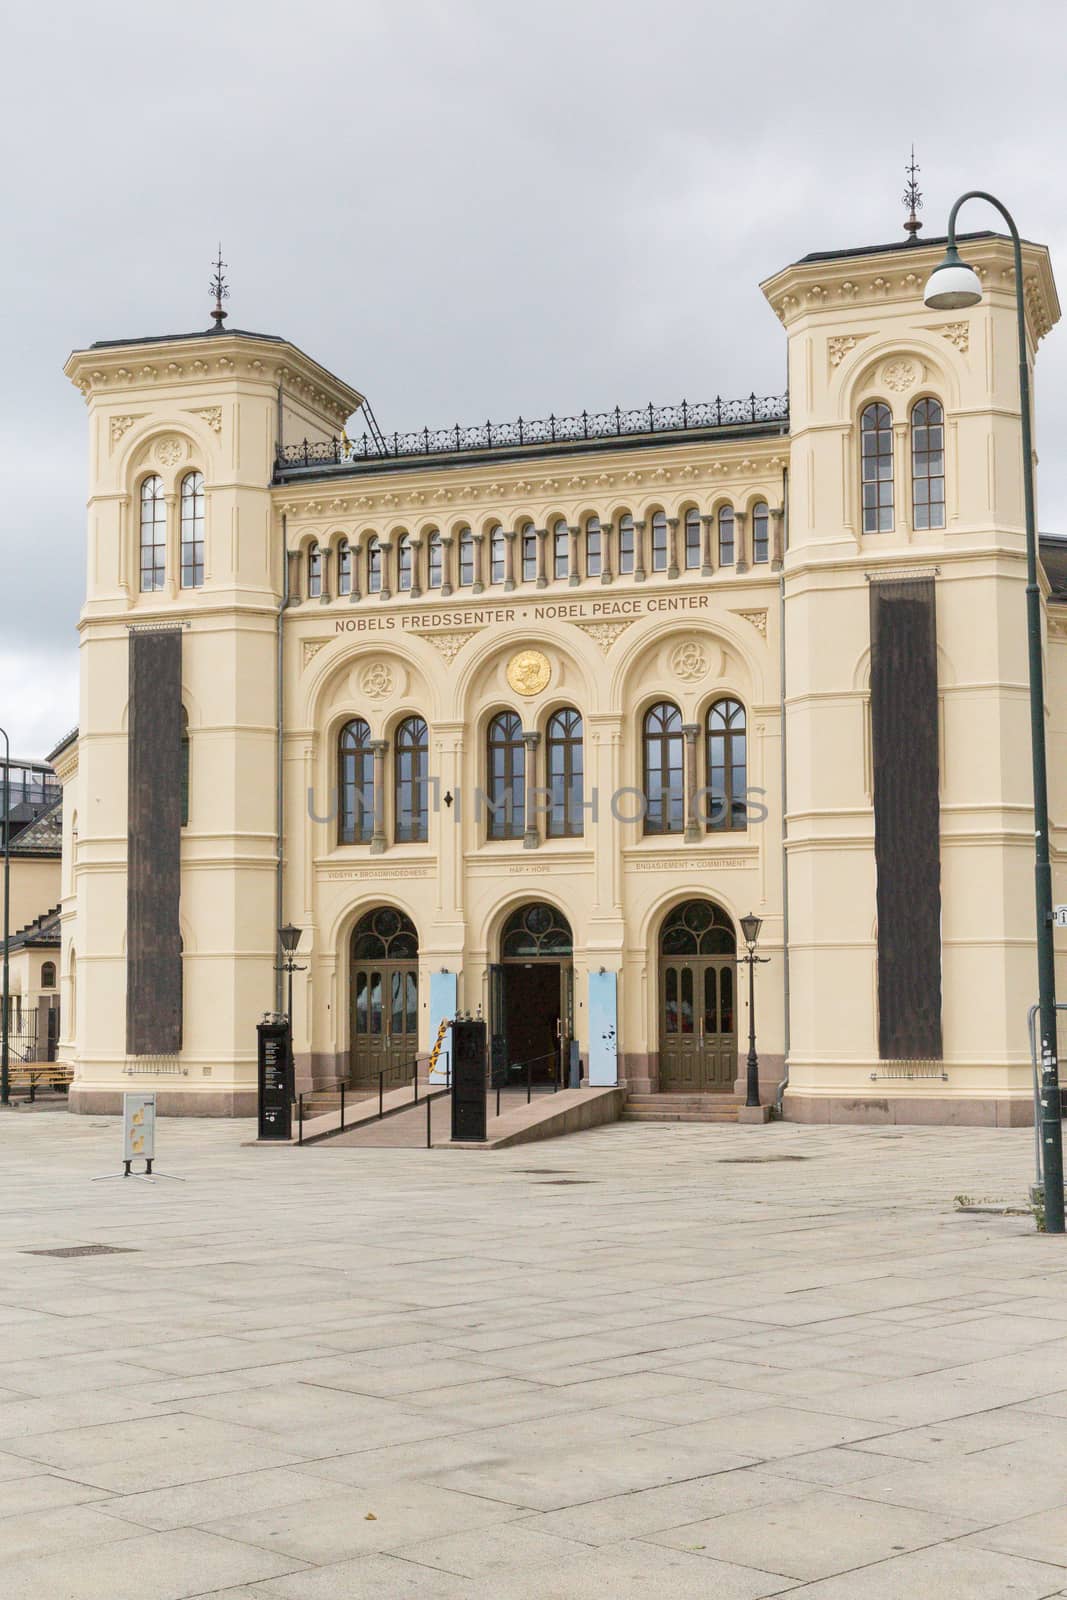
(698, 1024)
(385, 1020)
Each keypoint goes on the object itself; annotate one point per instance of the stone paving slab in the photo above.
(648, 1361)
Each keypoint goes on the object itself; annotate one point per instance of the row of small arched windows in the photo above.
(927, 466)
(713, 782)
(153, 543)
(559, 554)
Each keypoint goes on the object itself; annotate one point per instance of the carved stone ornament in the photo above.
(450, 644)
(168, 452)
(689, 661)
(758, 619)
(604, 634)
(376, 681)
(120, 426)
(957, 333)
(212, 415)
(529, 672)
(900, 375)
(312, 648)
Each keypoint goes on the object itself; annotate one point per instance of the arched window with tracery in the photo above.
(727, 758)
(192, 520)
(727, 543)
(626, 543)
(355, 784)
(928, 464)
(435, 560)
(374, 567)
(659, 541)
(761, 532)
(663, 769)
(314, 572)
(564, 762)
(404, 563)
(876, 467)
(411, 756)
(466, 557)
(594, 548)
(505, 777)
(153, 535)
(560, 551)
(692, 539)
(344, 567)
(497, 555)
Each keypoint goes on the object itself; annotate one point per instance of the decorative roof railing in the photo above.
(586, 426)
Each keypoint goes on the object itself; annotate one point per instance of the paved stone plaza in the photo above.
(644, 1361)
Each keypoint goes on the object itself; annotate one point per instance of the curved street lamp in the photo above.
(952, 286)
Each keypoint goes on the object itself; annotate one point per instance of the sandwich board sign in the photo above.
(138, 1129)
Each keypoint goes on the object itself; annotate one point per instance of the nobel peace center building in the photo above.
(524, 718)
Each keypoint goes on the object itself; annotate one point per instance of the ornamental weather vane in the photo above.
(220, 289)
(913, 200)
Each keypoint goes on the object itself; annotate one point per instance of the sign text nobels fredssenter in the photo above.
(483, 616)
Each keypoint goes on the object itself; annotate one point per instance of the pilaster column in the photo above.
(378, 749)
(575, 576)
(639, 553)
(356, 549)
(478, 587)
(386, 548)
(510, 536)
(296, 588)
(901, 466)
(707, 568)
(416, 557)
(606, 531)
(446, 565)
(777, 538)
(672, 547)
(542, 541)
(172, 554)
(532, 837)
(741, 535)
(326, 596)
(692, 823)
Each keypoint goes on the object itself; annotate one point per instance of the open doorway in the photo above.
(531, 1004)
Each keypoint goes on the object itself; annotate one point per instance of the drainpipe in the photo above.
(779, 1093)
(279, 885)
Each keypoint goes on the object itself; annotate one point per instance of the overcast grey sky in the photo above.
(471, 209)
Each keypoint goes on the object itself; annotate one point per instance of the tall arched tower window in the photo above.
(594, 542)
(727, 765)
(153, 535)
(564, 760)
(529, 553)
(355, 784)
(663, 777)
(344, 567)
(466, 557)
(692, 538)
(374, 567)
(626, 543)
(404, 565)
(876, 467)
(506, 777)
(497, 561)
(192, 504)
(761, 532)
(726, 536)
(928, 464)
(435, 560)
(659, 542)
(560, 551)
(411, 756)
(314, 572)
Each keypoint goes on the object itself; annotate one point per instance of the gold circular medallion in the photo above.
(529, 672)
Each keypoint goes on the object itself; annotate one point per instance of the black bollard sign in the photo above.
(469, 1045)
(275, 1081)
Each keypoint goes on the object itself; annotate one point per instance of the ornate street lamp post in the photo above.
(750, 931)
(952, 286)
(289, 938)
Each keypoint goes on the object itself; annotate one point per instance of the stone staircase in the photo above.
(681, 1108)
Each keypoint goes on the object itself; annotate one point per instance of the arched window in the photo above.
(529, 553)
(928, 464)
(561, 535)
(761, 532)
(411, 758)
(466, 557)
(594, 548)
(536, 930)
(664, 794)
(314, 572)
(192, 504)
(692, 538)
(374, 567)
(185, 768)
(355, 784)
(435, 561)
(384, 935)
(564, 768)
(626, 543)
(876, 455)
(404, 564)
(344, 567)
(659, 542)
(697, 928)
(153, 535)
(726, 536)
(48, 975)
(727, 766)
(497, 555)
(506, 777)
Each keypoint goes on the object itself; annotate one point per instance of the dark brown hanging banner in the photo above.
(153, 872)
(907, 818)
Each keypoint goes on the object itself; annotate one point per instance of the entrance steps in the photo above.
(681, 1108)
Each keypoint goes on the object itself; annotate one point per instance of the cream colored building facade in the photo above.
(697, 590)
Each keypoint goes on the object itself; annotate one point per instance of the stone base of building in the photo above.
(87, 1100)
(1013, 1111)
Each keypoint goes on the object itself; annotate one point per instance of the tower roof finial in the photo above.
(913, 200)
(220, 289)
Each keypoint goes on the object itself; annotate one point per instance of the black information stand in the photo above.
(275, 1081)
(468, 1078)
